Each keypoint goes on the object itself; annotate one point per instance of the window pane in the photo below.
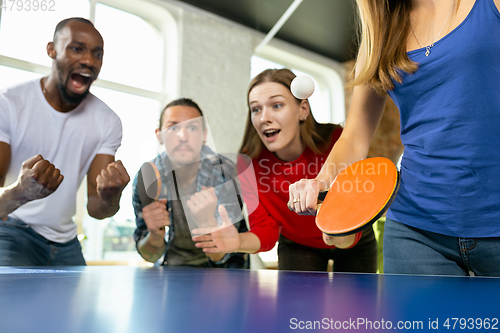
(259, 64)
(139, 116)
(113, 239)
(24, 34)
(133, 49)
(11, 76)
(320, 105)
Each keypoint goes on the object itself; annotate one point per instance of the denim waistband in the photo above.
(10, 221)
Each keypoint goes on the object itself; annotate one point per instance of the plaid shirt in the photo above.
(215, 171)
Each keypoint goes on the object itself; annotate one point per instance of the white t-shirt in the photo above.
(69, 140)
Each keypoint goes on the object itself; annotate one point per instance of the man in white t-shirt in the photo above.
(53, 132)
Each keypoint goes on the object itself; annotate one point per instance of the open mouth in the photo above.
(81, 81)
(271, 132)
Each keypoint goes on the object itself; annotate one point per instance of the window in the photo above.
(134, 53)
(132, 82)
(133, 49)
(24, 34)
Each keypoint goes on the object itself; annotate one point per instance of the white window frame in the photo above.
(160, 18)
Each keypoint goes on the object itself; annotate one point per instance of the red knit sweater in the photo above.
(268, 212)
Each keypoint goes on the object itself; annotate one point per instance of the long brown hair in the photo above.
(383, 31)
(384, 28)
(316, 136)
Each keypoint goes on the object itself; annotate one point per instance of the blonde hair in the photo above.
(384, 29)
(312, 133)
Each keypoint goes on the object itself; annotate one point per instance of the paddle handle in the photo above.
(321, 198)
(318, 206)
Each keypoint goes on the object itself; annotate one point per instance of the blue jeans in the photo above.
(409, 250)
(22, 246)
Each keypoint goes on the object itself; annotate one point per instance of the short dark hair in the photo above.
(63, 23)
(182, 102)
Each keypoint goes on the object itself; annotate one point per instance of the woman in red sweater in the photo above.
(286, 144)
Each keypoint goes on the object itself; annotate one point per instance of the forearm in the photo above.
(9, 201)
(364, 116)
(151, 248)
(101, 209)
(249, 242)
(340, 242)
(215, 256)
(344, 153)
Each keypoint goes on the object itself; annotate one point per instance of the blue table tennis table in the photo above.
(169, 299)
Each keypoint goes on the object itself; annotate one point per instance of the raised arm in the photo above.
(37, 179)
(106, 180)
(364, 116)
(151, 219)
(155, 218)
(362, 121)
(5, 156)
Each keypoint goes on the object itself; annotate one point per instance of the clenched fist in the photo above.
(156, 217)
(111, 181)
(37, 179)
(202, 206)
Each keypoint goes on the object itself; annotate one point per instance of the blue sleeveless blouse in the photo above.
(450, 128)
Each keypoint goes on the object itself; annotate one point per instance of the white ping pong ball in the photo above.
(302, 87)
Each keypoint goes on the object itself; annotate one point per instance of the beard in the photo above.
(70, 99)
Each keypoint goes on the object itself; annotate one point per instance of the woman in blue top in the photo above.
(439, 60)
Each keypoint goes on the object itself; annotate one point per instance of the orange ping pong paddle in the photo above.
(149, 183)
(358, 197)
